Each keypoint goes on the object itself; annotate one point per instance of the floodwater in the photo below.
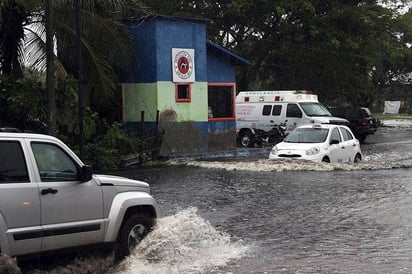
(261, 216)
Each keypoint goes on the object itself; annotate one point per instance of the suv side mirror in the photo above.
(86, 173)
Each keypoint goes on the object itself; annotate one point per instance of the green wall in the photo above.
(161, 96)
(137, 98)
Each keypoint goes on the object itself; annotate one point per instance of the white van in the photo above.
(261, 110)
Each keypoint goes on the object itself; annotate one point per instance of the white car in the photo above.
(319, 143)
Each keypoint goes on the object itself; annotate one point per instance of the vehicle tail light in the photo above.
(364, 122)
(246, 99)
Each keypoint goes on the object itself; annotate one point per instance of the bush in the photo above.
(23, 102)
(107, 151)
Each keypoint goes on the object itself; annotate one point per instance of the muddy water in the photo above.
(301, 222)
(260, 216)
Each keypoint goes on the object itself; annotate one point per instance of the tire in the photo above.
(246, 139)
(133, 230)
(357, 159)
(325, 160)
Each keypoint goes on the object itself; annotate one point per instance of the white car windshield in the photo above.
(307, 135)
(315, 109)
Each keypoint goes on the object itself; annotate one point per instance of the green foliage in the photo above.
(106, 45)
(106, 144)
(345, 51)
(23, 102)
(106, 48)
(107, 150)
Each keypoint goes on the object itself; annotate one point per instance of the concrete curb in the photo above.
(240, 152)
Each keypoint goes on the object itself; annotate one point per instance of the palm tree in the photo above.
(12, 18)
(106, 44)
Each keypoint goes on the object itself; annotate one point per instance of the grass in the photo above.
(383, 117)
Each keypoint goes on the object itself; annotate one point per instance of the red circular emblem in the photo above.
(183, 65)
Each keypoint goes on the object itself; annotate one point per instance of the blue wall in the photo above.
(143, 67)
(219, 68)
(154, 42)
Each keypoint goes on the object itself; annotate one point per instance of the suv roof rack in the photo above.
(9, 129)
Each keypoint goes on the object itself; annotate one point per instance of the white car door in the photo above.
(336, 150)
(19, 202)
(71, 210)
(350, 145)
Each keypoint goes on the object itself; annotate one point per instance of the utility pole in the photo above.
(50, 75)
(79, 78)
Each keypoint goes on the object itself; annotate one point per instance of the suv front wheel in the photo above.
(133, 230)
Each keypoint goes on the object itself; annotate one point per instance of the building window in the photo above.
(183, 93)
(221, 101)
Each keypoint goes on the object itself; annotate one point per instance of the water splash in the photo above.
(371, 162)
(381, 155)
(182, 243)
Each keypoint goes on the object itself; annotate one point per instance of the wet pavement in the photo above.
(293, 217)
(252, 215)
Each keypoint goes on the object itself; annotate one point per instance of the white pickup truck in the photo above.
(50, 200)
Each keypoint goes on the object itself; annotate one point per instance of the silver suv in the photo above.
(50, 200)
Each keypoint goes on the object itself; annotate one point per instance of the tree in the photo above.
(345, 50)
(106, 44)
(12, 18)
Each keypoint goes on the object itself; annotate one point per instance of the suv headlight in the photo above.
(313, 151)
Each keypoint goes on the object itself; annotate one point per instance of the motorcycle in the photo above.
(275, 135)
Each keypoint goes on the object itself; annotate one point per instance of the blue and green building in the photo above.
(186, 79)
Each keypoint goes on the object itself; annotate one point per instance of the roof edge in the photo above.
(228, 52)
(172, 18)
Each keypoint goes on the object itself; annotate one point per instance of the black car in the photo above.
(362, 122)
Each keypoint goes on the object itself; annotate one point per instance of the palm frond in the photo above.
(106, 44)
(115, 9)
(35, 46)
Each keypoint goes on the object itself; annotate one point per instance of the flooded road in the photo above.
(290, 217)
(301, 222)
(258, 216)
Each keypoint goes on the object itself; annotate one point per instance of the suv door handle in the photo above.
(48, 191)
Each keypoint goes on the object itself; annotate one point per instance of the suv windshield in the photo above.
(315, 109)
(307, 135)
